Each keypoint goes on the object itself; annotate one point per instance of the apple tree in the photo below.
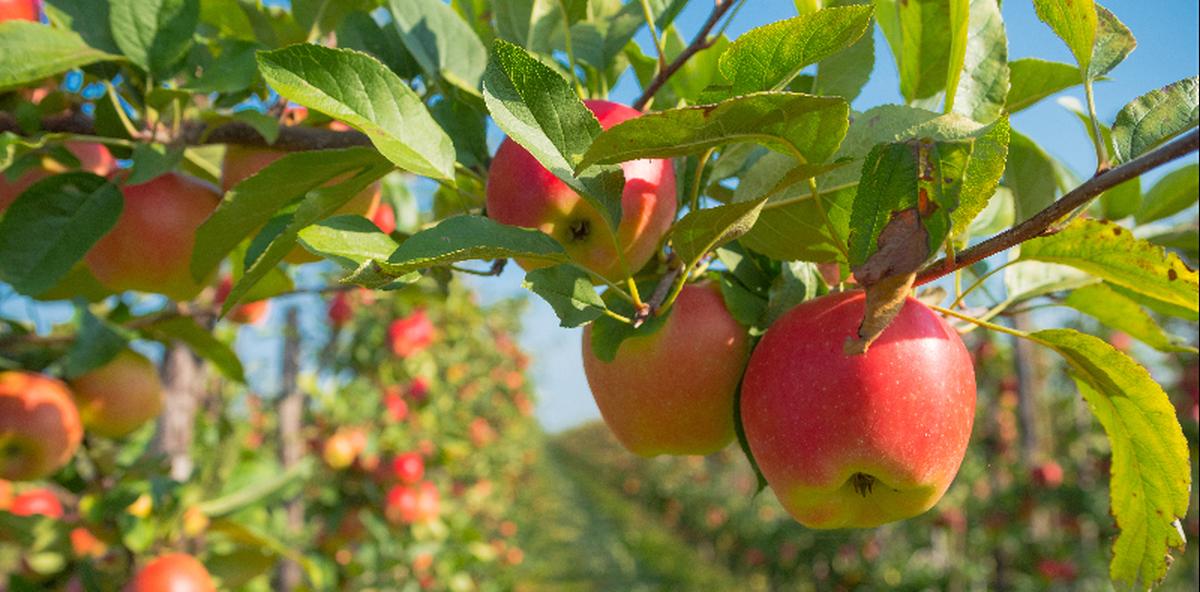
(753, 259)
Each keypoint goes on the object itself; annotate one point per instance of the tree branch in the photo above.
(699, 43)
(1042, 223)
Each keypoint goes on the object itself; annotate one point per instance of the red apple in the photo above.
(418, 389)
(672, 391)
(411, 334)
(521, 192)
(340, 310)
(1048, 475)
(20, 10)
(411, 504)
(858, 441)
(396, 406)
(250, 313)
(175, 572)
(242, 162)
(37, 502)
(385, 218)
(85, 544)
(39, 426)
(120, 396)
(93, 158)
(150, 248)
(408, 467)
(481, 432)
(1057, 571)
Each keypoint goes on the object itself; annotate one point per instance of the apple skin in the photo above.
(93, 158)
(408, 467)
(340, 309)
(175, 572)
(242, 162)
(37, 502)
(1048, 475)
(39, 426)
(250, 313)
(411, 504)
(521, 192)
(150, 248)
(20, 10)
(672, 392)
(119, 397)
(385, 218)
(411, 334)
(858, 441)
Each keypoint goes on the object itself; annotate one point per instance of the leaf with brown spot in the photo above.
(888, 276)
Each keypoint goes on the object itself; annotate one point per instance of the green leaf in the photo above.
(154, 34)
(1111, 252)
(1114, 42)
(1031, 175)
(360, 31)
(441, 42)
(257, 199)
(918, 32)
(153, 160)
(569, 291)
(538, 110)
(791, 226)
(349, 241)
(1151, 473)
(988, 158)
(960, 21)
(797, 282)
(201, 341)
(983, 89)
(260, 490)
(265, 125)
(31, 52)
(889, 185)
(845, 73)
(1075, 22)
(1123, 200)
(1172, 194)
(97, 343)
(769, 57)
(1033, 80)
(52, 225)
(317, 205)
(463, 238)
(1025, 280)
(86, 17)
(1119, 312)
(1156, 117)
(608, 333)
(355, 88)
(806, 127)
(701, 231)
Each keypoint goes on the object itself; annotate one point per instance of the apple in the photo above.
(858, 441)
(250, 313)
(672, 391)
(340, 310)
(85, 544)
(343, 447)
(1057, 571)
(411, 334)
(412, 504)
(120, 396)
(93, 158)
(20, 10)
(397, 407)
(39, 426)
(242, 162)
(408, 467)
(481, 432)
(174, 572)
(37, 502)
(1048, 475)
(418, 389)
(521, 192)
(150, 248)
(385, 218)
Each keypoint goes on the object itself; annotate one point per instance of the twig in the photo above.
(1043, 222)
(699, 43)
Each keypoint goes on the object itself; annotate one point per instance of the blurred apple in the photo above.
(119, 397)
(36, 502)
(408, 467)
(40, 427)
(411, 334)
(175, 572)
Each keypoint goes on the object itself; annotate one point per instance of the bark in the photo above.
(183, 385)
(291, 440)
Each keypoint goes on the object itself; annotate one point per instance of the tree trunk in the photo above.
(183, 385)
(291, 440)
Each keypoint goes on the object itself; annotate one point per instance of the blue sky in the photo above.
(1167, 51)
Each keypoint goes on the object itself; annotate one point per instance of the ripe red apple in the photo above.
(39, 426)
(672, 391)
(250, 313)
(418, 389)
(37, 502)
(150, 248)
(175, 572)
(397, 407)
(120, 396)
(340, 310)
(93, 158)
(408, 467)
(243, 161)
(521, 192)
(411, 334)
(1048, 475)
(411, 504)
(858, 441)
(20, 10)
(85, 544)
(385, 218)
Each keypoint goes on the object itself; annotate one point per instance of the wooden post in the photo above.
(183, 385)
